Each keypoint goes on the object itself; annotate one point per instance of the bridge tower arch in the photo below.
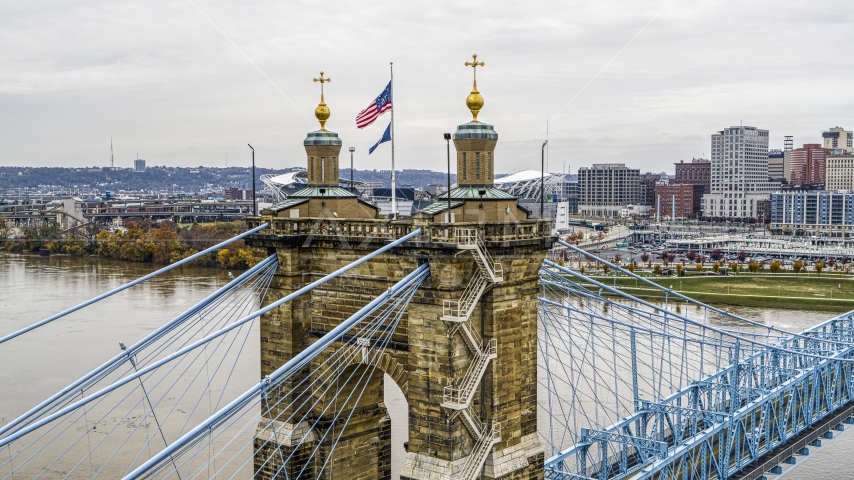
(465, 351)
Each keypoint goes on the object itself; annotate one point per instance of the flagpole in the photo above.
(393, 181)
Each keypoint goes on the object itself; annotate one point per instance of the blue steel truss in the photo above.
(742, 390)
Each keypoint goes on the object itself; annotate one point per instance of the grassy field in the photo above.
(827, 293)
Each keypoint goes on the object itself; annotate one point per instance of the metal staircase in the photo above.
(472, 423)
(458, 396)
(474, 462)
(486, 435)
(468, 239)
(461, 310)
(488, 272)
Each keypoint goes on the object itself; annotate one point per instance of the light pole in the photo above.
(448, 141)
(542, 177)
(254, 202)
(352, 185)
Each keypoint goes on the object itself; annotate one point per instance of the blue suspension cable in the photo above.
(33, 426)
(122, 357)
(686, 319)
(281, 372)
(259, 287)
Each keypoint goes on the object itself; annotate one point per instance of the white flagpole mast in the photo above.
(393, 182)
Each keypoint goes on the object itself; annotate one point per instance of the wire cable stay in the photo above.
(156, 390)
(151, 409)
(155, 342)
(291, 413)
(654, 390)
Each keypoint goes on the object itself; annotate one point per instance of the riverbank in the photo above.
(826, 293)
(144, 242)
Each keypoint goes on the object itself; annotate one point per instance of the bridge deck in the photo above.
(776, 456)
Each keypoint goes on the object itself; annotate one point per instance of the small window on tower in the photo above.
(489, 165)
(464, 167)
(322, 169)
(311, 168)
(477, 166)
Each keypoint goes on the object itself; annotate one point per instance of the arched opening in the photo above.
(353, 427)
(398, 411)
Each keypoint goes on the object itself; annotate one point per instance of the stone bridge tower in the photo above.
(465, 353)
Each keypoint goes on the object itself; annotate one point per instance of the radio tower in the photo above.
(111, 152)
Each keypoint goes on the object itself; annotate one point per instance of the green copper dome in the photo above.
(322, 137)
(475, 130)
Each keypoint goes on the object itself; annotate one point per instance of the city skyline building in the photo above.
(648, 181)
(808, 164)
(696, 172)
(823, 212)
(837, 138)
(839, 174)
(678, 200)
(788, 143)
(739, 173)
(779, 162)
(605, 189)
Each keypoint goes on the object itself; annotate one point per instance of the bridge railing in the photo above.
(330, 226)
(490, 231)
(457, 232)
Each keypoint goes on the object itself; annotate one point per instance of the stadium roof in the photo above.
(289, 178)
(522, 176)
(527, 185)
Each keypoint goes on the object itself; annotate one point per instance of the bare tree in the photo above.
(89, 231)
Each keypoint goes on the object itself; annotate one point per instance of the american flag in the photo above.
(379, 106)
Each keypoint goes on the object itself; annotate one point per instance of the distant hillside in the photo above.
(153, 178)
(194, 179)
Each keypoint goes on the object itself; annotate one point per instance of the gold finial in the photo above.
(474, 100)
(322, 111)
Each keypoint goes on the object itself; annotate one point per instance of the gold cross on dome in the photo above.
(474, 64)
(322, 81)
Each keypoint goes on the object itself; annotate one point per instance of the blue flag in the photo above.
(386, 138)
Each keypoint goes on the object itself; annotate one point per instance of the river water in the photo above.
(36, 365)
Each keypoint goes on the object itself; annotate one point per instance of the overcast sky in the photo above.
(189, 82)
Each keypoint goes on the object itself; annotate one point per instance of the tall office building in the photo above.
(682, 197)
(778, 167)
(837, 138)
(698, 172)
(139, 165)
(808, 165)
(816, 212)
(605, 189)
(840, 171)
(678, 200)
(647, 187)
(569, 193)
(739, 173)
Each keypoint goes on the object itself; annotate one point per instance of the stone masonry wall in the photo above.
(422, 359)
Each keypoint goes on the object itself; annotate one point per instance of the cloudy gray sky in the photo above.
(189, 82)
